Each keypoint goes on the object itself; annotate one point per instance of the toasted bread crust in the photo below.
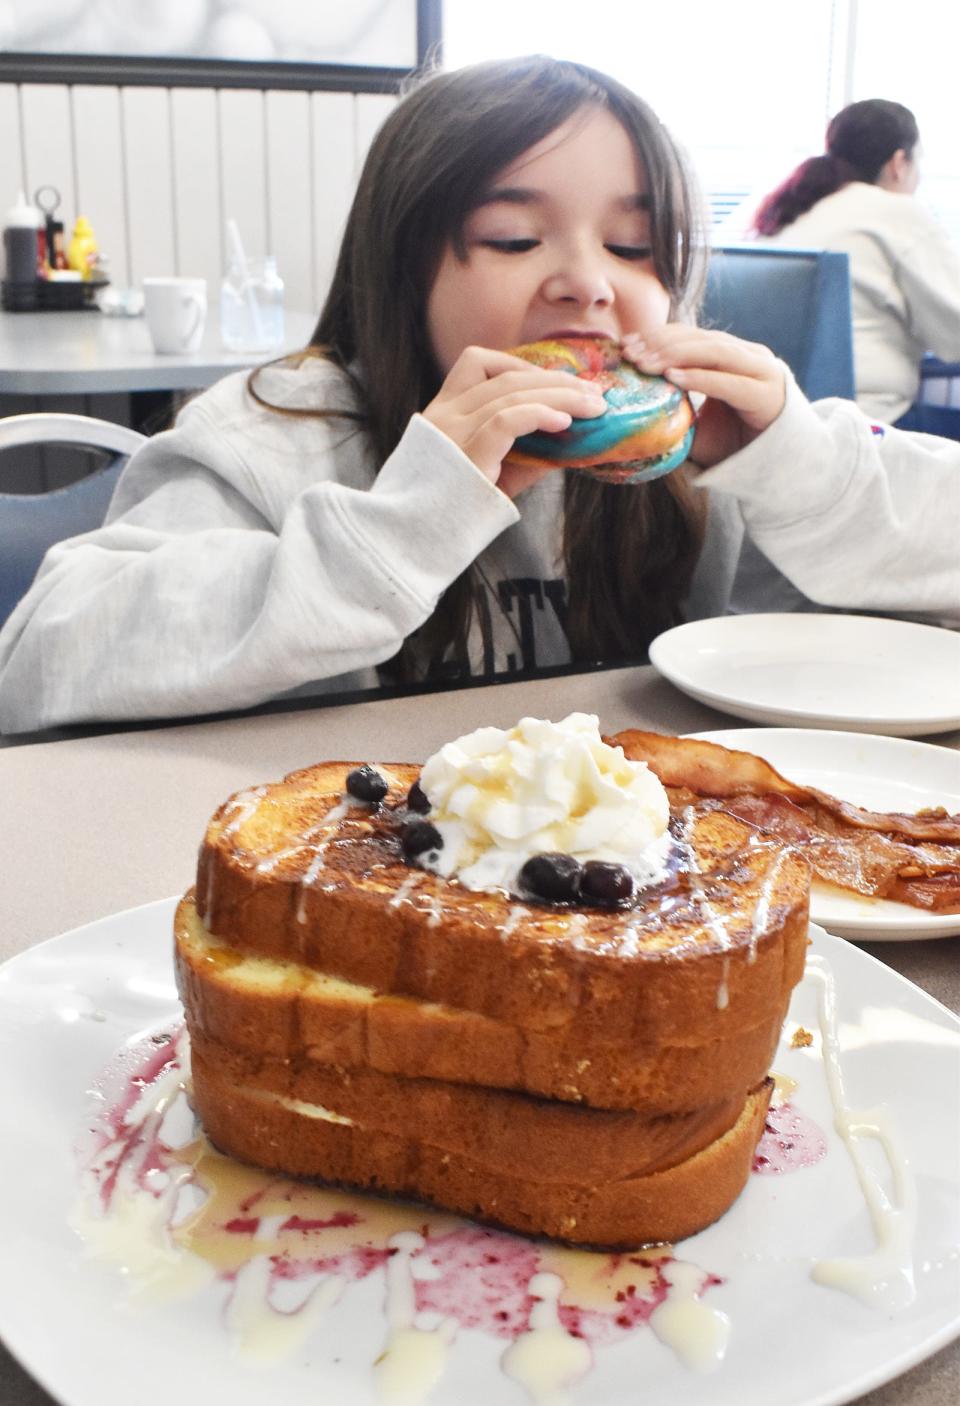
(717, 950)
(616, 1214)
(285, 1010)
(539, 1139)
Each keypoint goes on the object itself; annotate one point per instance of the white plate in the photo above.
(850, 671)
(69, 1004)
(880, 773)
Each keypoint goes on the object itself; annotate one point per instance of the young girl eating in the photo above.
(347, 516)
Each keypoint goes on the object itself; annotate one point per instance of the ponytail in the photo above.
(860, 141)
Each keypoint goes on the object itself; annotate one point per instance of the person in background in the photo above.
(350, 515)
(858, 198)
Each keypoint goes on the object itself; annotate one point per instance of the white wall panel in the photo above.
(48, 145)
(243, 172)
(289, 204)
(334, 180)
(371, 110)
(149, 181)
(196, 184)
(98, 145)
(157, 171)
(11, 167)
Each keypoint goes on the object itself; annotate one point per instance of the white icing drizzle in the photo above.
(261, 1332)
(405, 890)
(331, 819)
(135, 1232)
(629, 939)
(435, 909)
(762, 910)
(515, 916)
(576, 925)
(207, 910)
(245, 803)
(414, 1356)
(546, 1360)
(723, 990)
(715, 923)
(308, 880)
(267, 865)
(695, 1332)
(883, 1279)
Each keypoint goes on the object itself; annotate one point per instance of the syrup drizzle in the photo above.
(178, 1217)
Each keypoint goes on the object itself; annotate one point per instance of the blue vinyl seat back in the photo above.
(30, 523)
(942, 420)
(794, 301)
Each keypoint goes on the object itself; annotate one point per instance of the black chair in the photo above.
(794, 301)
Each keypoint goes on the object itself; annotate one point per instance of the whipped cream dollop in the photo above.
(499, 797)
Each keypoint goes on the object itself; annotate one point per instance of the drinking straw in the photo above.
(238, 253)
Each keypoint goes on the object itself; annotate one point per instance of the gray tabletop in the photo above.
(85, 353)
(152, 792)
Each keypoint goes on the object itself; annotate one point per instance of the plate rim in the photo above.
(735, 704)
(925, 1346)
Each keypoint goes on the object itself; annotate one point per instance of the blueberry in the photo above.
(554, 877)
(418, 837)
(607, 885)
(366, 784)
(417, 798)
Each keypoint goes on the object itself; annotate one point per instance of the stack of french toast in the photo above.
(590, 1065)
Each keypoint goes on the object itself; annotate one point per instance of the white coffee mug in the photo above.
(176, 310)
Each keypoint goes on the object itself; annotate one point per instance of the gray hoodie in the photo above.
(248, 554)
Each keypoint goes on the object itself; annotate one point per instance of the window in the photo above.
(748, 86)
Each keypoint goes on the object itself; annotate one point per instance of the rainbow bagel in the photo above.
(647, 429)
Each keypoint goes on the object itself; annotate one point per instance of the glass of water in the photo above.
(251, 306)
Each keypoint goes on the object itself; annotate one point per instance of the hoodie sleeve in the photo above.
(229, 572)
(857, 515)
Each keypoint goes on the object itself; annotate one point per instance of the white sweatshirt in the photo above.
(904, 287)
(248, 554)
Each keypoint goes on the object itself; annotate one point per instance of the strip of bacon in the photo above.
(913, 859)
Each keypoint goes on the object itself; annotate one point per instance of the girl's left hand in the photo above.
(743, 382)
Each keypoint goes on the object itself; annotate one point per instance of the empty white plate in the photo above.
(853, 672)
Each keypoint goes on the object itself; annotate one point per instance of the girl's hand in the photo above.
(491, 398)
(743, 382)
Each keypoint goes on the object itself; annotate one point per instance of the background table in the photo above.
(122, 814)
(85, 353)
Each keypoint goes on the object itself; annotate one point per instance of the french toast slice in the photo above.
(624, 1212)
(540, 1139)
(297, 872)
(285, 1010)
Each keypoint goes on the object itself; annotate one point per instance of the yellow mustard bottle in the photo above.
(83, 248)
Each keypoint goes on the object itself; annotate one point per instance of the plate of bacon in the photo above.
(877, 817)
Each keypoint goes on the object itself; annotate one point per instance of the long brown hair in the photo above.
(629, 552)
(861, 139)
